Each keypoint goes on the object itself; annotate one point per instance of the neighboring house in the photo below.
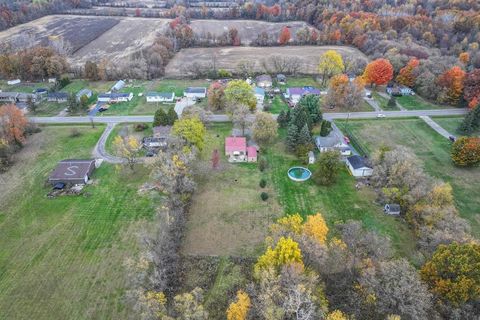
(259, 94)
(358, 166)
(399, 90)
(119, 85)
(281, 78)
(115, 97)
(311, 157)
(84, 92)
(72, 171)
(332, 142)
(14, 82)
(57, 97)
(16, 97)
(160, 96)
(392, 209)
(295, 94)
(195, 92)
(237, 151)
(264, 81)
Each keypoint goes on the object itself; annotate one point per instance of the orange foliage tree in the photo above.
(407, 75)
(452, 83)
(472, 88)
(378, 72)
(12, 124)
(466, 151)
(285, 35)
(464, 57)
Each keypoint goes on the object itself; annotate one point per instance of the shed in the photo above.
(311, 157)
(281, 78)
(73, 171)
(251, 154)
(119, 85)
(358, 167)
(264, 81)
(392, 209)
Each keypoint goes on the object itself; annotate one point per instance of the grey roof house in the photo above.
(73, 171)
(57, 97)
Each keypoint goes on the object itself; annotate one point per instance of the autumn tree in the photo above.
(316, 228)
(239, 92)
(331, 63)
(378, 72)
(12, 124)
(285, 252)
(191, 130)
(466, 151)
(453, 272)
(464, 58)
(238, 310)
(408, 74)
(127, 148)
(345, 94)
(240, 117)
(285, 36)
(84, 102)
(472, 88)
(190, 305)
(264, 128)
(451, 84)
(216, 96)
(327, 168)
(91, 71)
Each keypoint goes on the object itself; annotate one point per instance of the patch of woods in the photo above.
(14, 129)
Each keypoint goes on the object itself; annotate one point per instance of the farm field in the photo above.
(228, 57)
(248, 30)
(434, 152)
(64, 258)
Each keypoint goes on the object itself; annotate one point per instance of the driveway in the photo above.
(100, 152)
(435, 126)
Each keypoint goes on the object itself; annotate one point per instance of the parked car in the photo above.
(381, 115)
(452, 138)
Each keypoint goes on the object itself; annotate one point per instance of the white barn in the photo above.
(358, 167)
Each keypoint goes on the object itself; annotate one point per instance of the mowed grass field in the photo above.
(452, 124)
(64, 258)
(434, 152)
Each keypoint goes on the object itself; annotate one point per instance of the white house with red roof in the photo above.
(237, 151)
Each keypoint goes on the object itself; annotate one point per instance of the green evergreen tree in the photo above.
(292, 137)
(392, 102)
(160, 118)
(300, 117)
(325, 128)
(282, 119)
(304, 136)
(72, 103)
(311, 104)
(471, 122)
(171, 116)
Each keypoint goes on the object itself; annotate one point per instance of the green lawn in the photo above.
(417, 103)
(46, 108)
(383, 102)
(23, 87)
(277, 104)
(434, 152)
(338, 203)
(126, 129)
(178, 86)
(451, 124)
(300, 82)
(64, 258)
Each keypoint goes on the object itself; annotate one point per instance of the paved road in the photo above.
(224, 117)
(435, 126)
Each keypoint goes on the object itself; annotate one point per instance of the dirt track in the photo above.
(228, 57)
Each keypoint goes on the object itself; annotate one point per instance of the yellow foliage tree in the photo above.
(285, 252)
(316, 228)
(331, 63)
(238, 310)
(292, 223)
(127, 148)
(336, 315)
(191, 130)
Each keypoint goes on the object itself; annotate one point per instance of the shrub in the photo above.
(392, 102)
(75, 133)
(466, 151)
(262, 164)
(141, 127)
(325, 128)
(263, 183)
(222, 73)
(264, 196)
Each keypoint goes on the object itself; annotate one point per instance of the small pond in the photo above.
(299, 174)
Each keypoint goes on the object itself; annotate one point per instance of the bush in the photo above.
(74, 133)
(392, 102)
(263, 183)
(264, 196)
(325, 128)
(262, 164)
(222, 73)
(140, 127)
(466, 151)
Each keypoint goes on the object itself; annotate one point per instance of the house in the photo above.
(84, 92)
(259, 94)
(195, 92)
(154, 143)
(264, 81)
(13, 82)
(72, 171)
(160, 96)
(119, 85)
(115, 97)
(295, 94)
(392, 209)
(399, 90)
(358, 167)
(237, 151)
(332, 142)
(57, 97)
(311, 157)
(16, 97)
(281, 78)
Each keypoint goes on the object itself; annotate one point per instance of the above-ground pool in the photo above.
(299, 174)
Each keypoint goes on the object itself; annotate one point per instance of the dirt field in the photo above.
(228, 57)
(248, 29)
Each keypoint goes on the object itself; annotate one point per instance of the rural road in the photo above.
(224, 117)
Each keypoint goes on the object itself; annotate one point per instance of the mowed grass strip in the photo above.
(417, 103)
(64, 258)
(434, 152)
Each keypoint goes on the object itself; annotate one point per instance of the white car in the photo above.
(381, 115)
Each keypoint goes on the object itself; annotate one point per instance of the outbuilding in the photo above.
(72, 171)
(195, 92)
(311, 157)
(160, 96)
(119, 85)
(358, 167)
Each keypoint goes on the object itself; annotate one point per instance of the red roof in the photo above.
(235, 144)
(252, 152)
